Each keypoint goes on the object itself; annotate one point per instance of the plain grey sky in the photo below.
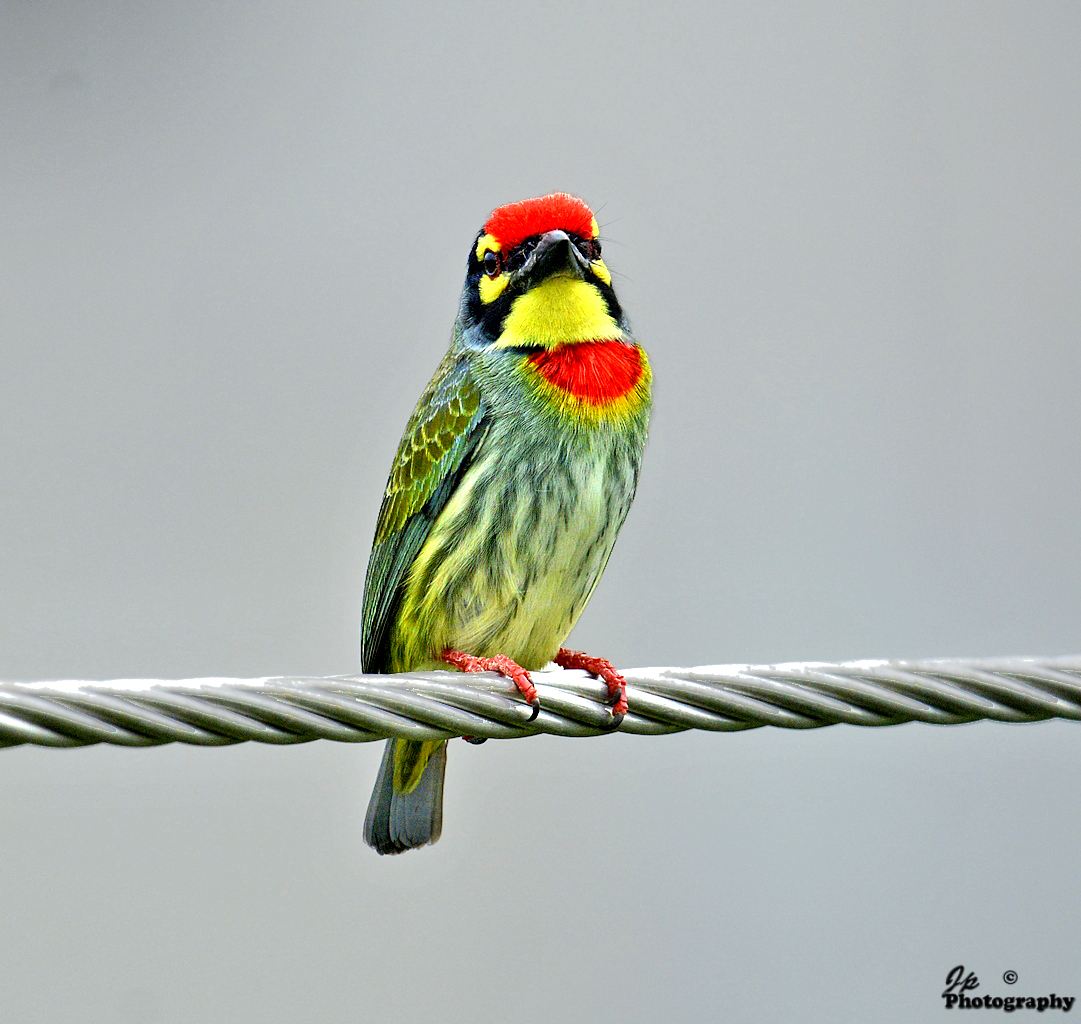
(849, 236)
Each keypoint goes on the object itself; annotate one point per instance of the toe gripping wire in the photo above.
(442, 705)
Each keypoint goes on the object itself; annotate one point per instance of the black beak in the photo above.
(554, 254)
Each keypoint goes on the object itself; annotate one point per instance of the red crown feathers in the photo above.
(516, 222)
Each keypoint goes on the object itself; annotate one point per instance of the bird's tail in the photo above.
(406, 809)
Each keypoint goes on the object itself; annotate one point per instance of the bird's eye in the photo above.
(492, 263)
(596, 249)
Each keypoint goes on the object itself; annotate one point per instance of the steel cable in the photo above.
(437, 705)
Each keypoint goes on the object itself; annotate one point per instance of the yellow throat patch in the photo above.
(558, 311)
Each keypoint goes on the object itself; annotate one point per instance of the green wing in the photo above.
(439, 441)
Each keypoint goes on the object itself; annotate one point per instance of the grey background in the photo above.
(233, 240)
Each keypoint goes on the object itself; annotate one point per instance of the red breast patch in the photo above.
(516, 222)
(597, 372)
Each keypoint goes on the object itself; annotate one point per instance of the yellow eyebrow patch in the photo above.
(484, 243)
(556, 312)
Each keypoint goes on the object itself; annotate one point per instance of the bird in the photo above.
(513, 477)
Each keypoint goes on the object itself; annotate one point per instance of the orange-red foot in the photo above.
(602, 668)
(501, 664)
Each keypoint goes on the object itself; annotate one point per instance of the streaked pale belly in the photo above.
(513, 559)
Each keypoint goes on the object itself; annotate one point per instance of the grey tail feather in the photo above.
(402, 821)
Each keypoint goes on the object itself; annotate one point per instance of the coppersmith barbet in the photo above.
(511, 482)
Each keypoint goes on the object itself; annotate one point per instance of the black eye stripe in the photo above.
(517, 258)
(590, 248)
(488, 317)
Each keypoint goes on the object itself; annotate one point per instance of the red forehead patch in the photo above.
(516, 222)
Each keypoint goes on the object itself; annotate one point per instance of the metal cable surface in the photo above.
(438, 705)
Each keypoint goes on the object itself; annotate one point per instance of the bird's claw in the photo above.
(501, 664)
(601, 668)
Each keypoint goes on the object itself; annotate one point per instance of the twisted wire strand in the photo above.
(442, 705)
